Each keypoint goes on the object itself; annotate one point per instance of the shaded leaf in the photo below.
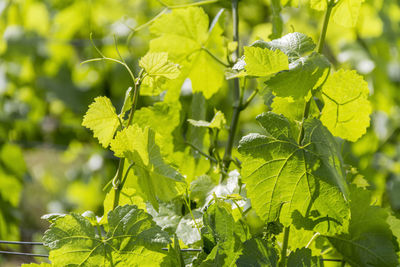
(257, 252)
(303, 258)
(369, 241)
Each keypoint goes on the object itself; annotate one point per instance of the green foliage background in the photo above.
(49, 163)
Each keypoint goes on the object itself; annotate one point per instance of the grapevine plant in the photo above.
(185, 194)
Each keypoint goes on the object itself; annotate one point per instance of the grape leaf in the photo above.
(217, 122)
(157, 64)
(257, 252)
(155, 178)
(263, 61)
(220, 235)
(128, 196)
(302, 258)
(291, 182)
(132, 239)
(369, 241)
(102, 119)
(347, 109)
(158, 69)
(294, 45)
(291, 109)
(345, 13)
(304, 74)
(184, 34)
(163, 118)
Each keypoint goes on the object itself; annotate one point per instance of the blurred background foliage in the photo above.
(50, 163)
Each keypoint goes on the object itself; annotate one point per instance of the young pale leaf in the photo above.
(102, 119)
(369, 241)
(347, 109)
(257, 252)
(157, 64)
(304, 74)
(303, 258)
(156, 178)
(184, 34)
(158, 69)
(263, 61)
(291, 182)
(132, 239)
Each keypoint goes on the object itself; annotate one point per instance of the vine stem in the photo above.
(117, 182)
(282, 262)
(236, 90)
(331, 4)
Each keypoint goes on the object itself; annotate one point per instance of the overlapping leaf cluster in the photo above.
(289, 175)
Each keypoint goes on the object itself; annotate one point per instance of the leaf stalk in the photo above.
(282, 262)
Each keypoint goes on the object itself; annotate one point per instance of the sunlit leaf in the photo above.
(102, 119)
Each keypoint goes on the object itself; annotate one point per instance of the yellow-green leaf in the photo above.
(157, 64)
(347, 109)
(264, 62)
(102, 119)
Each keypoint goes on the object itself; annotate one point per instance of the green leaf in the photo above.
(163, 118)
(291, 182)
(171, 219)
(184, 34)
(128, 196)
(347, 109)
(102, 120)
(304, 74)
(219, 235)
(291, 109)
(294, 45)
(219, 226)
(345, 13)
(263, 61)
(218, 122)
(157, 64)
(132, 239)
(158, 68)
(154, 177)
(303, 258)
(257, 252)
(369, 241)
